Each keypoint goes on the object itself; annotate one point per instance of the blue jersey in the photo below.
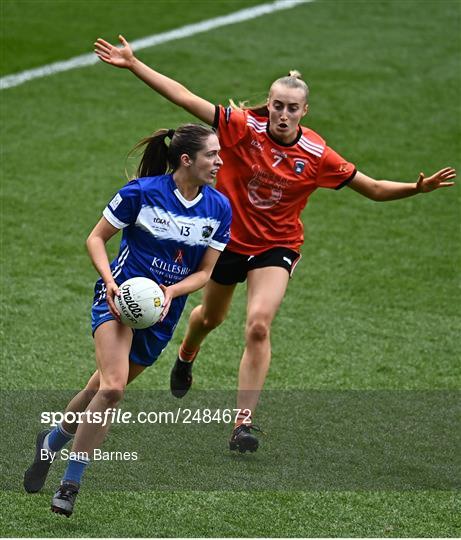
(165, 236)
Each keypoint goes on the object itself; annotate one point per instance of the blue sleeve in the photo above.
(124, 208)
(222, 235)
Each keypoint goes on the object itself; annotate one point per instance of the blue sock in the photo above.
(57, 439)
(75, 470)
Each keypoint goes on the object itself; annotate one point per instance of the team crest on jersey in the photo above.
(299, 166)
(206, 231)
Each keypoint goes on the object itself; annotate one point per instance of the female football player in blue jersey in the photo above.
(272, 164)
(175, 225)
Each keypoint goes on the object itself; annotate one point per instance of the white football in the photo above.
(140, 303)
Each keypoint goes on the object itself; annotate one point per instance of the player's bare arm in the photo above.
(387, 190)
(198, 279)
(123, 57)
(191, 283)
(96, 245)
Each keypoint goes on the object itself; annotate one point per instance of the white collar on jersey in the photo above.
(185, 202)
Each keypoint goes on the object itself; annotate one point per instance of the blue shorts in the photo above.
(146, 346)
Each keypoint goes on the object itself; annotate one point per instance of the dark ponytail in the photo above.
(154, 160)
(158, 158)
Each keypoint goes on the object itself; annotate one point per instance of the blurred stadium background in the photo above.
(374, 304)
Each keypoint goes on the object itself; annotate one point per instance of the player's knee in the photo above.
(212, 320)
(111, 394)
(258, 329)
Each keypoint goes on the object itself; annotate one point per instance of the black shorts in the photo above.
(233, 267)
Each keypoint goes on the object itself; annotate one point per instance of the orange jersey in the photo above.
(268, 183)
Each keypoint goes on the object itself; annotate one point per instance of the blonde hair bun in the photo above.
(295, 73)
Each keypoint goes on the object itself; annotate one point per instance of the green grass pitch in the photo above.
(374, 303)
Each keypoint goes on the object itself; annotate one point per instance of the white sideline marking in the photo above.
(89, 59)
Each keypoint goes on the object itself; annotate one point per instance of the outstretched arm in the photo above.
(172, 90)
(387, 190)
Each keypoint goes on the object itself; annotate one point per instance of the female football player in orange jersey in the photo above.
(271, 166)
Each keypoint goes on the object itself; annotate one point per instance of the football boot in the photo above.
(64, 499)
(36, 474)
(243, 440)
(181, 378)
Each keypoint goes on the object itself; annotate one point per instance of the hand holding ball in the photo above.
(140, 303)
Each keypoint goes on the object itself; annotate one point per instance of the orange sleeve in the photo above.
(231, 124)
(334, 171)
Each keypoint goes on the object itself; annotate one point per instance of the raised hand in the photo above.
(436, 181)
(121, 57)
